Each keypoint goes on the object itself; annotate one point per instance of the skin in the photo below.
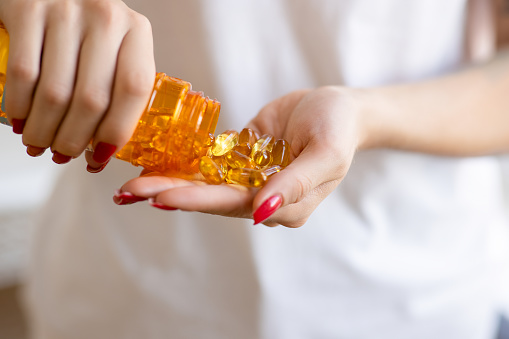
(71, 93)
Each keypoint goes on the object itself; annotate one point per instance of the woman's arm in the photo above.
(462, 114)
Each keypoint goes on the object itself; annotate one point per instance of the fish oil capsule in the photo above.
(271, 170)
(224, 142)
(248, 135)
(266, 141)
(236, 159)
(244, 148)
(281, 153)
(262, 158)
(221, 163)
(246, 177)
(211, 171)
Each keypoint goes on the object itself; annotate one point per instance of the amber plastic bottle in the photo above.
(173, 132)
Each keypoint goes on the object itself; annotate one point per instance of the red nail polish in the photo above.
(126, 198)
(34, 151)
(60, 159)
(160, 206)
(268, 208)
(91, 169)
(18, 125)
(103, 152)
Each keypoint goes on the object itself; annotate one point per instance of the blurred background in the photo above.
(25, 183)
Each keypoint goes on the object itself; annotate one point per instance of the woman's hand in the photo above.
(79, 70)
(324, 128)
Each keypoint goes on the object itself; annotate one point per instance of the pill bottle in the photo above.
(173, 133)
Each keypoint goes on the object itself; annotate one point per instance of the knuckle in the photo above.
(106, 12)
(136, 83)
(65, 11)
(304, 184)
(94, 101)
(56, 95)
(140, 21)
(24, 70)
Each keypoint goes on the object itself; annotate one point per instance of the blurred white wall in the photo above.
(25, 183)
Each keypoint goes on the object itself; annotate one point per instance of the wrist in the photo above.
(371, 125)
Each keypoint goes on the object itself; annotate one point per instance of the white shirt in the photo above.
(405, 247)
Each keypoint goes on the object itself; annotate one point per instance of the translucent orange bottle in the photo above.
(174, 131)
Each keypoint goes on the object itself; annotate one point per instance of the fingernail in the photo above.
(18, 125)
(91, 169)
(268, 208)
(34, 151)
(60, 159)
(103, 151)
(126, 198)
(155, 204)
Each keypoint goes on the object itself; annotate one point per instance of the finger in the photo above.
(229, 200)
(55, 87)
(133, 84)
(299, 188)
(94, 83)
(26, 38)
(91, 169)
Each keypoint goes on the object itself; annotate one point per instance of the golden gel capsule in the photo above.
(236, 159)
(271, 170)
(281, 153)
(224, 142)
(266, 141)
(221, 163)
(262, 158)
(211, 171)
(244, 148)
(246, 177)
(248, 135)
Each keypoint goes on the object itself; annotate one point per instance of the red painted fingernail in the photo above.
(126, 198)
(91, 169)
(60, 159)
(18, 125)
(155, 204)
(268, 208)
(103, 151)
(34, 151)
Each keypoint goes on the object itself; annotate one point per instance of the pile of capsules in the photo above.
(244, 158)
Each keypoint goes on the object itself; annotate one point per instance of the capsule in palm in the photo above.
(266, 141)
(262, 158)
(248, 135)
(244, 148)
(246, 177)
(281, 153)
(221, 163)
(211, 171)
(271, 170)
(236, 159)
(224, 142)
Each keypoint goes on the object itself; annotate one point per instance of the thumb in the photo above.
(290, 196)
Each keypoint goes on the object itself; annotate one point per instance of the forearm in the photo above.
(462, 114)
